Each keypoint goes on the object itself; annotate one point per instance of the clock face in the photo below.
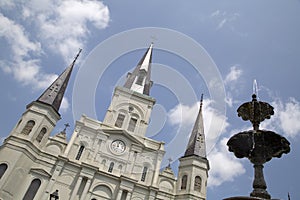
(118, 146)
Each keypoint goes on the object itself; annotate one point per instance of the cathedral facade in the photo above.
(112, 159)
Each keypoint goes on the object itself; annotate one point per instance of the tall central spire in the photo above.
(139, 79)
(54, 94)
(196, 145)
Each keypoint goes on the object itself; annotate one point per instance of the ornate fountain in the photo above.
(259, 146)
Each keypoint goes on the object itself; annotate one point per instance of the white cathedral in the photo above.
(112, 159)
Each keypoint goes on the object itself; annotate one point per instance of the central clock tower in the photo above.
(118, 145)
(131, 105)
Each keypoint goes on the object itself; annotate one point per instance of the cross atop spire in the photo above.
(66, 126)
(54, 94)
(196, 145)
(139, 79)
(170, 161)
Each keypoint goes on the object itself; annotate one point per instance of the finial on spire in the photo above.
(66, 126)
(139, 80)
(170, 160)
(201, 101)
(54, 94)
(77, 55)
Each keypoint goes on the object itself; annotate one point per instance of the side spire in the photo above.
(196, 145)
(139, 79)
(54, 94)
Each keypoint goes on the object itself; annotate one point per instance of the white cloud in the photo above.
(224, 18)
(183, 114)
(17, 38)
(59, 26)
(64, 105)
(7, 3)
(286, 119)
(215, 13)
(231, 82)
(221, 24)
(224, 166)
(289, 118)
(24, 69)
(65, 27)
(233, 75)
(229, 101)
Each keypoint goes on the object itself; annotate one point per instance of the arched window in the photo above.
(183, 182)
(103, 162)
(41, 134)
(3, 168)
(94, 199)
(32, 189)
(28, 127)
(197, 184)
(144, 174)
(132, 124)
(80, 151)
(111, 167)
(120, 120)
(120, 167)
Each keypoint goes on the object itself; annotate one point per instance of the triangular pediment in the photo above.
(40, 171)
(124, 133)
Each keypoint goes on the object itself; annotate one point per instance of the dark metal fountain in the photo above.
(259, 146)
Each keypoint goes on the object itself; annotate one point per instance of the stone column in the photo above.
(152, 195)
(89, 195)
(96, 148)
(119, 194)
(259, 183)
(135, 154)
(157, 168)
(72, 140)
(52, 180)
(128, 196)
(75, 190)
(85, 190)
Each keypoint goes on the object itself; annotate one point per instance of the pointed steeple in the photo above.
(196, 145)
(139, 79)
(54, 94)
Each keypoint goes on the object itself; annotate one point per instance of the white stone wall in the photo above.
(53, 160)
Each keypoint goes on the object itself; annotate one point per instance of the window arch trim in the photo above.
(184, 182)
(3, 169)
(120, 120)
(197, 183)
(41, 134)
(144, 174)
(32, 189)
(28, 127)
(111, 167)
(80, 152)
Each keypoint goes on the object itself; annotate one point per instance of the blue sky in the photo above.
(210, 47)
